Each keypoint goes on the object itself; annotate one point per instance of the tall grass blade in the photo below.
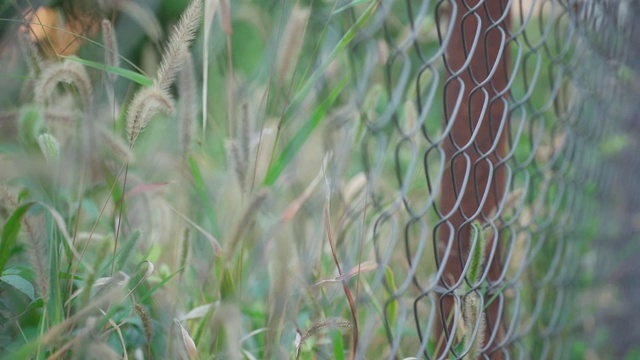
(293, 147)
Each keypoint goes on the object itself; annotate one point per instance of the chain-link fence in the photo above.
(488, 128)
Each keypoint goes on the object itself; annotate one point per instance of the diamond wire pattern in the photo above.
(509, 138)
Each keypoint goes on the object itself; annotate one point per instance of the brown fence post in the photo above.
(477, 82)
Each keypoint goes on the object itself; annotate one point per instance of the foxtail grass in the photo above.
(179, 41)
(150, 100)
(66, 71)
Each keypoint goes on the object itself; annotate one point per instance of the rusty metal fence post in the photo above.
(476, 118)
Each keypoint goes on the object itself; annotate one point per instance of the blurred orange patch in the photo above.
(56, 33)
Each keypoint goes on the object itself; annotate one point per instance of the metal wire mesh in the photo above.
(490, 111)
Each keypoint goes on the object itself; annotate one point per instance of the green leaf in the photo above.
(477, 257)
(127, 74)
(10, 233)
(300, 138)
(20, 284)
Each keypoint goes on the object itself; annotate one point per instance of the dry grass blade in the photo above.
(144, 188)
(116, 146)
(293, 38)
(188, 93)
(345, 286)
(354, 187)
(245, 220)
(189, 344)
(245, 137)
(80, 337)
(225, 17)
(217, 248)
(210, 7)
(105, 298)
(199, 311)
(293, 208)
(361, 268)
(102, 283)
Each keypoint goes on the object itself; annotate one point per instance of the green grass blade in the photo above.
(201, 190)
(350, 5)
(10, 233)
(338, 346)
(127, 74)
(392, 307)
(300, 138)
(302, 93)
(156, 287)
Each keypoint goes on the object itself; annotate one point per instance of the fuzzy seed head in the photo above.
(50, 147)
(68, 72)
(146, 103)
(179, 41)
